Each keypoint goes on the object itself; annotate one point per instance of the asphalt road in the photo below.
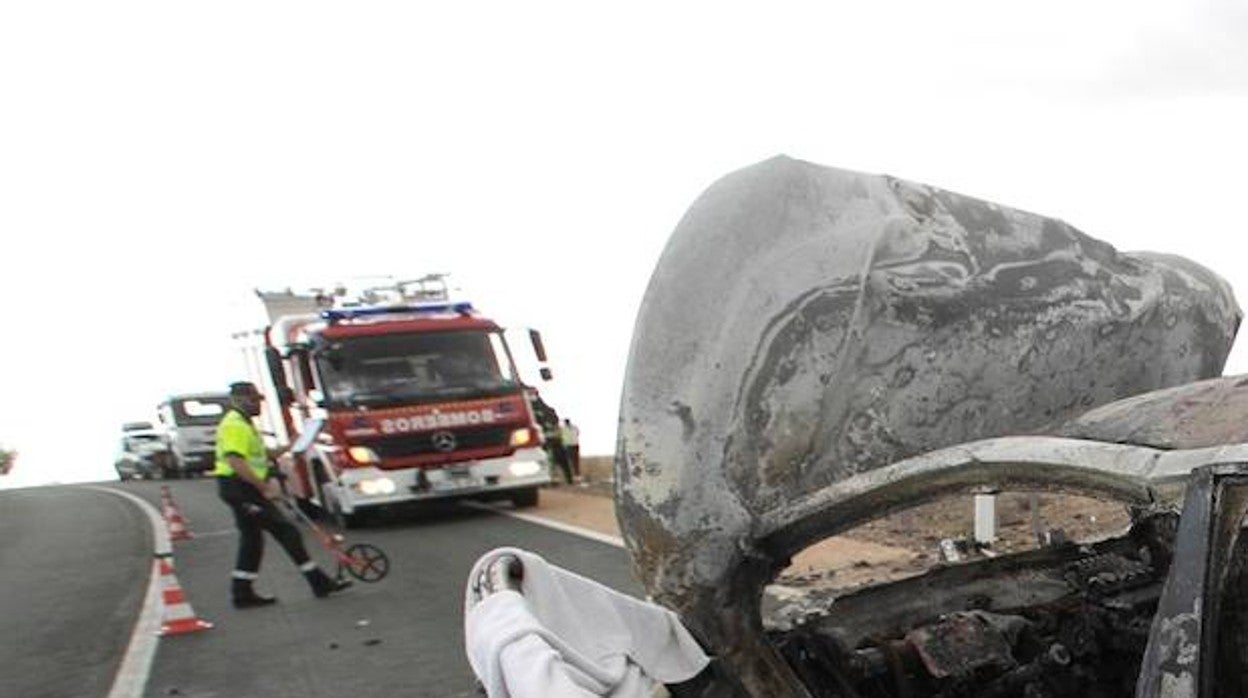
(400, 636)
(74, 566)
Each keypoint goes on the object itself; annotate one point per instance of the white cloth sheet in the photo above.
(569, 636)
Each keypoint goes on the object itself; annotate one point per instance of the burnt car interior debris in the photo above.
(864, 345)
(1158, 608)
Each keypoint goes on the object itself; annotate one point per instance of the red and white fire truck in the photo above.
(394, 396)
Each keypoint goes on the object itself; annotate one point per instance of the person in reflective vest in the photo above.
(242, 472)
(552, 435)
(572, 446)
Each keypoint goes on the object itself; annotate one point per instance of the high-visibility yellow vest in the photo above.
(236, 434)
(570, 434)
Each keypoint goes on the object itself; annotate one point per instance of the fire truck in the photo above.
(395, 395)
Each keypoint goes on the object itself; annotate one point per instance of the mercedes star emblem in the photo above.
(444, 441)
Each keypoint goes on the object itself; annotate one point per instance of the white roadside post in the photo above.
(985, 519)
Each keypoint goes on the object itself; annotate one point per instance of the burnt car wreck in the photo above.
(1098, 619)
(819, 348)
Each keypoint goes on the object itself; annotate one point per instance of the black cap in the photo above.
(243, 389)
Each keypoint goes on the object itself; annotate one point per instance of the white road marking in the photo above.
(551, 523)
(215, 534)
(136, 665)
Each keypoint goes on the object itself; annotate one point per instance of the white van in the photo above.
(191, 421)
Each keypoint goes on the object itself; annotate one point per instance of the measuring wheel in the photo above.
(368, 563)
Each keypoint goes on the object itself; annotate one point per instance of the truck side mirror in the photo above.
(539, 348)
(285, 395)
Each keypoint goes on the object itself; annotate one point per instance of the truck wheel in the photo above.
(525, 499)
(349, 521)
(324, 510)
(309, 509)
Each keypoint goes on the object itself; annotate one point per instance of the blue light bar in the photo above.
(340, 314)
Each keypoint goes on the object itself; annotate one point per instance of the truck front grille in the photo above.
(422, 444)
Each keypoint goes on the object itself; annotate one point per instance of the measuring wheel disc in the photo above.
(368, 562)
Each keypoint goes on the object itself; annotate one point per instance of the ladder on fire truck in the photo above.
(360, 293)
(430, 288)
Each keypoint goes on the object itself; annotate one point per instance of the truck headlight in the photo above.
(521, 437)
(363, 454)
(525, 468)
(381, 485)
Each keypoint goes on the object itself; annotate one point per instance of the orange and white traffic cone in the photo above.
(176, 615)
(178, 527)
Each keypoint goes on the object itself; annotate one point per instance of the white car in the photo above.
(143, 452)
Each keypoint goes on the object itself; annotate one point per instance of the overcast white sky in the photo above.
(159, 160)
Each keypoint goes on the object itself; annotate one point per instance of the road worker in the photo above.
(571, 436)
(242, 472)
(552, 435)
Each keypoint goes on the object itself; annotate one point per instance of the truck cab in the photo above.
(398, 402)
(190, 421)
(425, 407)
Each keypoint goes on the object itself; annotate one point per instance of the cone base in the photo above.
(183, 627)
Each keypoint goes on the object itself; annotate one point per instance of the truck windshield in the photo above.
(412, 368)
(199, 411)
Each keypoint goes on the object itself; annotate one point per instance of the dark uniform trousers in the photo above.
(254, 515)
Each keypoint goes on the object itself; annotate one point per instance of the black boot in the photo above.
(246, 597)
(323, 585)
